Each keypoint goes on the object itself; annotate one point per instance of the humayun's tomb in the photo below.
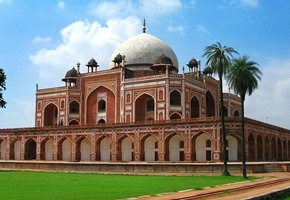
(142, 109)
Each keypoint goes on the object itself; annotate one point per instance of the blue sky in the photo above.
(41, 40)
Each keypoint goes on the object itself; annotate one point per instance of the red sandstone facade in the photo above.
(140, 111)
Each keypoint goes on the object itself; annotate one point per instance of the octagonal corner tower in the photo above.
(142, 50)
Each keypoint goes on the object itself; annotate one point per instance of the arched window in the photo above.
(150, 105)
(181, 144)
(236, 114)
(128, 98)
(175, 98)
(101, 106)
(208, 143)
(210, 105)
(194, 107)
(62, 104)
(101, 121)
(74, 107)
(225, 111)
(161, 95)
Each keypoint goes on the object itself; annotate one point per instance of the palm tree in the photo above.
(219, 59)
(243, 78)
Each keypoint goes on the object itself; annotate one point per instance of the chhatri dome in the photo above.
(141, 52)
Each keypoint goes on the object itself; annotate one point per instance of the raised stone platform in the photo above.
(135, 167)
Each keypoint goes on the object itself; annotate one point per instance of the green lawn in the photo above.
(58, 186)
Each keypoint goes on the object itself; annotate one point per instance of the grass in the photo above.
(51, 185)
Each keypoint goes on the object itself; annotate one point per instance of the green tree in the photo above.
(2, 87)
(219, 59)
(243, 77)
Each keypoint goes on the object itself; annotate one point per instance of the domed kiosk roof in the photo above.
(142, 50)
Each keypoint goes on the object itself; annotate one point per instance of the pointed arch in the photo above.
(175, 116)
(46, 149)
(236, 113)
(194, 105)
(279, 145)
(73, 122)
(149, 149)
(175, 98)
(83, 149)
(50, 115)
(203, 147)
(126, 145)
(273, 149)
(232, 148)
(260, 155)
(210, 104)
(64, 149)
(284, 156)
(30, 149)
(144, 108)
(3, 144)
(174, 148)
(105, 149)
(267, 148)
(225, 111)
(100, 98)
(74, 107)
(251, 147)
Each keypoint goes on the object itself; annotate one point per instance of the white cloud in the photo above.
(249, 3)
(61, 4)
(243, 3)
(160, 7)
(41, 39)
(117, 9)
(81, 41)
(179, 29)
(202, 30)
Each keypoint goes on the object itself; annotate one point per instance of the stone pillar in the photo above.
(93, 147)
(161, 145)
(38, 150)
(137, 148)
(55, 148)
(114, 150)
(22, 148)
(187, 151)
(73, 148)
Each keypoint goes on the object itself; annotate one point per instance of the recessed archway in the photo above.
(3, 145)
(232, 148)
(210, 105)
(50, 115)
(203, 148)
(127, 149)
(105, 149)
(176, 148)
(194, 108)
(30, 150)
(144, 108)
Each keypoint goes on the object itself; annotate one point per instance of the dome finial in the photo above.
(144, 26)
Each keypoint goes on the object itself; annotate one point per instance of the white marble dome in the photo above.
(142, 50)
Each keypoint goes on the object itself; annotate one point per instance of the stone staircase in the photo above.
(273, 167)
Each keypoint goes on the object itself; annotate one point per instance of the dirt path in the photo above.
(224, 192)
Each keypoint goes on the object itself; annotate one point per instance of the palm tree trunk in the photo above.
(243, 141)
(225, 172)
